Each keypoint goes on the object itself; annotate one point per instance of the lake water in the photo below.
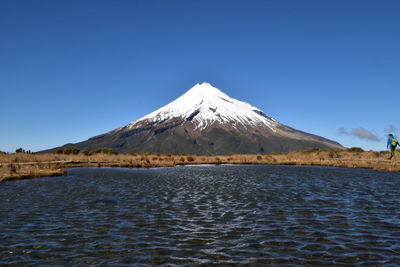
(193, 215)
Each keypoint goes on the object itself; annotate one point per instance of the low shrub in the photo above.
(103, 150)
(355, 149)
(58, 151)
(20, 150)
(71, 150)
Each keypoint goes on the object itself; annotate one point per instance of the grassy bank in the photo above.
(23, 166)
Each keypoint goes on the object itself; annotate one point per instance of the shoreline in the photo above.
(27, 166)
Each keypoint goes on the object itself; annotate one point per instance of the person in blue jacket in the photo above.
(391, 145)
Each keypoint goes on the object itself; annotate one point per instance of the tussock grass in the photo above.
(23, 165)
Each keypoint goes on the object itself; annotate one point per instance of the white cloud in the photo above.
(361, 133)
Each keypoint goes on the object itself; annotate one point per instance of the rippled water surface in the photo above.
(272, 215)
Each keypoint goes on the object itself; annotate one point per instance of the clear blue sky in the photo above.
(70, 70)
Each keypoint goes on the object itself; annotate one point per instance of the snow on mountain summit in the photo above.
(205, 105)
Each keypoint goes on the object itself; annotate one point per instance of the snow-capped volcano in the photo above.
(205, 105)
(206, 121)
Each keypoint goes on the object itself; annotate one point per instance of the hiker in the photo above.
(391, 145)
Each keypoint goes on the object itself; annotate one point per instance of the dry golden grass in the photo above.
(17, 166)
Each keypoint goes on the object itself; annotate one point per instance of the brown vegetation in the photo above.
(24, 165)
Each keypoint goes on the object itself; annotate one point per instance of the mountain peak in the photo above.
(204, 84)
(205, 105)
(204, 89)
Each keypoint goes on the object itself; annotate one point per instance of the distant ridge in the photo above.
(206, 121)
